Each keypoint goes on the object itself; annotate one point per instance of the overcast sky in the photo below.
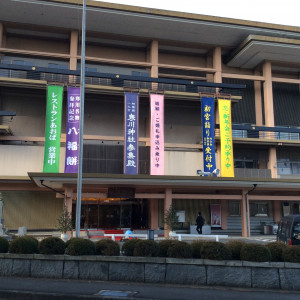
(285, 12)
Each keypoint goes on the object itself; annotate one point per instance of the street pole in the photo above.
(81, 129)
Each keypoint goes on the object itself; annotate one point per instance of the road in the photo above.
(47, 289)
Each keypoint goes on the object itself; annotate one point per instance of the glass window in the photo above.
(259, 209)
(234, 208)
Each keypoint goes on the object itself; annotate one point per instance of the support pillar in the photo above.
(68, 199)
(167, 205)
(245, 214)
(217, 65)
(153, 204)
(224, 213)
(277, 213)
(1, 35)
(272, 163)
(258, 102)
(73, 54)
(153, 59)
(268, 94)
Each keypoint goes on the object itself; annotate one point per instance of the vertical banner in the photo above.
(215, 215)
(157, 156)
(227, 163)
(53, 129)
(131, 136)
(208, 127)
(72, 130)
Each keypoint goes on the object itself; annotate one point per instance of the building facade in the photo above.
(147, 51)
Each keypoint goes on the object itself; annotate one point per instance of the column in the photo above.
(258, 102)
(217, 64)
(73, 54)
(1, 35)
(68, 199)
(224, 213)
(167, 204)
(153, 204)
(153, 58)
(277, 214)
(245, 214)
(272, 162)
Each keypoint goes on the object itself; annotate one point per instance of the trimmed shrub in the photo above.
(24, 245)
(235, 247)
(107, 247)
(215, 251)
(276, 249)
(292, 254)
(180, 249)
(52, 245)
(255, 252)
(196, 248)
(128, 247)
(163, 247)
(146, 248)
(4, 245)
(79, 246)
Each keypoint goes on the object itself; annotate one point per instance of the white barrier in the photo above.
(135, 235)
(197, 236)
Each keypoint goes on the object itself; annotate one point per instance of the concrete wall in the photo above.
(197, 272)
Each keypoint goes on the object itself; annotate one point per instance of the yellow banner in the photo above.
(227, 163)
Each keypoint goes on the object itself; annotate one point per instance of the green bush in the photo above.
(24, 245)
(196, 248)
(107, 247)
(79, 246)
(52, 245)
(292, 254)
(163, 247)
(255, 252)
(4, 245)
(180, 250)
(235, 247)
(215, 251)
(146, 248)
(276, 249)
(128, 247)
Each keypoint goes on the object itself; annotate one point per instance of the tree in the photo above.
(171, 218)
(64, 221)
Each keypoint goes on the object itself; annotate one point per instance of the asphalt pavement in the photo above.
(53, 289)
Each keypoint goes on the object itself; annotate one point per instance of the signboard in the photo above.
(227, 163)
(72, 130)
(131, 136)
(157, 156)
(181, 215)
(208, 127)
(53, 129)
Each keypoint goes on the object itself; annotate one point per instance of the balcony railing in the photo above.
(63, 76)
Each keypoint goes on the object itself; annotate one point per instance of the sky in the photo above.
(284, 12)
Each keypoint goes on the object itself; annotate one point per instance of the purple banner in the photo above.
(131, 136)
(72, 130)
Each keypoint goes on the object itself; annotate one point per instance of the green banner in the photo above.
(53, 128)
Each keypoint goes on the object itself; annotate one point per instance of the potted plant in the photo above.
(171, 219)
(64, 223)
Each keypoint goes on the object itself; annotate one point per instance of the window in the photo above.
(259, 209)
(234, 208)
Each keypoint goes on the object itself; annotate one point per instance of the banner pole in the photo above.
(82, 87)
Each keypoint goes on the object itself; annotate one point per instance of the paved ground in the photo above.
(47, 289)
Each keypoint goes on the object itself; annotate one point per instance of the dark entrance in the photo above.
(101, 214)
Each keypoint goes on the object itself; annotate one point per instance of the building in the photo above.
(147, 51)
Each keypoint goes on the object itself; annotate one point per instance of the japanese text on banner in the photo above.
(72, 130)
(53, 129)
(227, 162)
(131, 137)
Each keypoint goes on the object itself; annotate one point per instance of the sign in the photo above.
(215, 215)
(72, 130)
(227, 163)
(131, 136)
(157, 156)
(53, 128)
(208, 134)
